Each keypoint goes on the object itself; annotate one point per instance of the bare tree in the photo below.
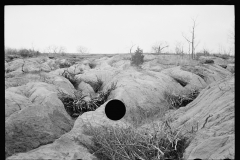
(231, 36)
(131, 48)
(61, 49)
(179, 48)
(158, 47)
(206, 51)
(223, 50)
(55, 49)
(193, 38)
(220, 48)
(82, 50)
(189, 48)
(23, 66)
(33, 48)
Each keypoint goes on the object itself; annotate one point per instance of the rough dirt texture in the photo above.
(213, 112)
(35, 116)
(85, 88)
(231, 68)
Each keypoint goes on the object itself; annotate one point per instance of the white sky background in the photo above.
(113, 29)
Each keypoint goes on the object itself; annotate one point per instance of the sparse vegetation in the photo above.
(28, 53)
(131, 144)
(56, 49)
(137, 57)
(223, 56)
(158, 47)
(82, 50)
(209, 61)
(181, 99)
(10, 53)
(203, 53)
(64, 65)
(78, 104)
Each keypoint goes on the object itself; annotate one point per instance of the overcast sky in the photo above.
(114, 29)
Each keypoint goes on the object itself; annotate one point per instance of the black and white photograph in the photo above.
(119, 82)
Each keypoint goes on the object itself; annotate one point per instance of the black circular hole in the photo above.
(115, 109)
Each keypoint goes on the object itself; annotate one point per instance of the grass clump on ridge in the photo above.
(181, 99)
(131, 144)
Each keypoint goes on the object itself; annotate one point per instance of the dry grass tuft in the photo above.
(131, 144)
(181, 99)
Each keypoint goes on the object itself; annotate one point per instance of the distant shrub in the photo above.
(223, 56)
(64, 65)
(25, 53)
(206, 52)
(22, 52)
(28, 53)
(63, 54)
(209, 61)
(10, 51)
(203, 53)
(137, 57)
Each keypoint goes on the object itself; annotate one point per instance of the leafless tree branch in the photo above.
(157, 48)
(192, 41)
(55, 49)
(131, 48)
(186, 38)
(82, 50)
